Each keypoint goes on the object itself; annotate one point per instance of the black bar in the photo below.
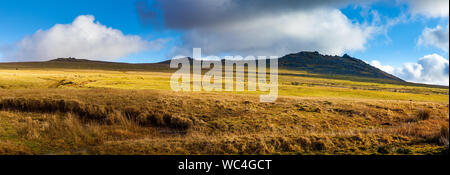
(287, 164)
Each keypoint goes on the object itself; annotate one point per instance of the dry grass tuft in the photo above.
(423, 114)
(444, 136)
(66, 130)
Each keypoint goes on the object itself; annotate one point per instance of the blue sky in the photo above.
(24, 17)
(375, 38)
(399, 45)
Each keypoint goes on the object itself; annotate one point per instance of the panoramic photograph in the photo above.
(224, 77)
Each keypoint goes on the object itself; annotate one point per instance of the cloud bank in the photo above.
(430, 69)
(263, 27)
(83, 38)
(182, 14)
(436, 37)
(325, 30)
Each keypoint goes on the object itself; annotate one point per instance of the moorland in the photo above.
(70, 106)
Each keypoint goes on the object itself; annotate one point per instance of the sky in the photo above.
(407, 38)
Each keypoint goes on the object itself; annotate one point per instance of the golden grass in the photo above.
(292, 84)
(238, 124)
(118, 111)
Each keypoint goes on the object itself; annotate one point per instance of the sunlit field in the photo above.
(108, 109)
(291, 83)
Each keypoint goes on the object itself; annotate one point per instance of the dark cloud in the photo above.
(263, 27)
(187, 14)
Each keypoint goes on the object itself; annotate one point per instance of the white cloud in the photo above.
(437, 37)
(325, 30)
(262, 27)
(83, 38)
(430, 69)
(386, 68)
(429, 8)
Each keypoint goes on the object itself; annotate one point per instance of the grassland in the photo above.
(85, 108)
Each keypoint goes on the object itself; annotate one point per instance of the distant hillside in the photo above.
(321, 66)
(314, 62)
(73, 63)
(69, 60)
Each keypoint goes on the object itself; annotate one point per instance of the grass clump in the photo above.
(423, 114)
(443, 136)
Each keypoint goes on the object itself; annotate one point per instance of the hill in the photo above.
(73, 63)
(315, 62)
(312, 62)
